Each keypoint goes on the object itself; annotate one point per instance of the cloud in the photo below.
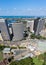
(29, 9)
(0, 9)
(26, 11)
(14, 8)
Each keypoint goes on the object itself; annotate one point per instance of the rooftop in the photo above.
(2, 20)
(6, 50)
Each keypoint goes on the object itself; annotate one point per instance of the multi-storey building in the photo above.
(18, 29)
(30, 24)
(4, 29)
(38, 25)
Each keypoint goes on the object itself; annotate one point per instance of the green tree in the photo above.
(44, 63)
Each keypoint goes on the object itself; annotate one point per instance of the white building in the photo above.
(1, 39)
(4, 29)
(31, 48)
(43, 33)
(6, 50)
(38, 25)
(18, 29)
(30, 24)
(45, 20)
(6, 53)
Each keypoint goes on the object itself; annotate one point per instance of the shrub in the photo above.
(13, 47)
(2, 47)
(22, 47)
(33, 36)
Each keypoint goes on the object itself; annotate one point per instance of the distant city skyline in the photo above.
(22, 7)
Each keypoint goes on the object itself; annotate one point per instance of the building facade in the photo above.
(4, 29)
(38, 25)
(18, 29)
(30, 24)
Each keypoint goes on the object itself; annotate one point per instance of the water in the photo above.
(21, 16)
(12, 21)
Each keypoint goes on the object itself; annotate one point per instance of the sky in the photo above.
(22, 7)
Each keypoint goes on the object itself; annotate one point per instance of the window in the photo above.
(0, 31)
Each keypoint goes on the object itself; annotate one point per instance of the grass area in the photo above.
(1, 55)
(37, 61)
(33, 36)
(28, 61)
